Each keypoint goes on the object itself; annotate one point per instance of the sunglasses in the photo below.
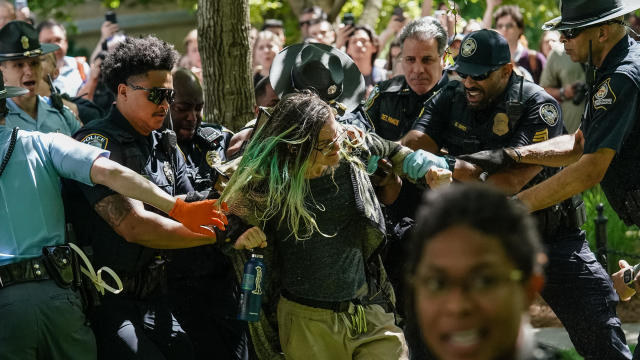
(156, 94)
(327, 148)
(574, 32)
(477, 77)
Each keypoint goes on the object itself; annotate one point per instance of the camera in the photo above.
(348, 19)
(630, 274)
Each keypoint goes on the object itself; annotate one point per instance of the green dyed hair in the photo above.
(270, 178)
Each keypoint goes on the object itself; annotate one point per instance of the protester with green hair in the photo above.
(303, 179)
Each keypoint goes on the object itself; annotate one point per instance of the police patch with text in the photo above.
(604, 96)
(97, 140)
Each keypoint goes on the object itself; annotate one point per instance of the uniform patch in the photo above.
(96, 140)
(390, 119)
(604, 96)
(213, 158)
(372, 97)
(468, 47)
(542, 135)
(549, 114)
(500, 124)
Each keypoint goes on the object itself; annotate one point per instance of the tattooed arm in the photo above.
(129, 219)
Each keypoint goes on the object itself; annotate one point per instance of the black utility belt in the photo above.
(23, 271)
(57, 263)
(335, 306)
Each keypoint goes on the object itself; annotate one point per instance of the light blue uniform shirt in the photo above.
(31, 209)
(49, 119)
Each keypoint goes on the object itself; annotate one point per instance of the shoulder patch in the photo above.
(549, 114)
(372, 98)
(604, 95)
(97, 140)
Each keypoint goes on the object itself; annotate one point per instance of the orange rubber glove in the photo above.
(195, 215)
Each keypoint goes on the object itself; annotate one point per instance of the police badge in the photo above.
(468, 47)
(96, 140)
(500, 124)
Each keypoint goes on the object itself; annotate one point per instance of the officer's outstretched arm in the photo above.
(559, 151)
(574, 179)
(513, 179)
(129, 219)
(416, 140)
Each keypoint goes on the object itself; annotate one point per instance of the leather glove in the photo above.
(197, 214)
(418, 163)
(489, 160)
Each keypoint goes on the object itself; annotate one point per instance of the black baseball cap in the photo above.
(482, 51)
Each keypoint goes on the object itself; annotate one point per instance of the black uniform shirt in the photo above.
(142, 154)
(612, 124)
(393, 106)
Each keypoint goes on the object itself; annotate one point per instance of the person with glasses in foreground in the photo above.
(492, 108)
(474, 270)
(138, 323)
(303, 179)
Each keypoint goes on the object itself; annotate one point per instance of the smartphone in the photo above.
(348, 19)
(21, 4)
(111, 16)
(630, 274)
(399, 13)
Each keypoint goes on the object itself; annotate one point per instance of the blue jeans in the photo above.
(581, 293)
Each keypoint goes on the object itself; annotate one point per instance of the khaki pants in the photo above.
(311, 333)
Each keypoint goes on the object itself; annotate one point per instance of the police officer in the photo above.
(41, 313)
(202, 145)
(20, 53)
(395, 104)
(492, 108)
(202, 285)
(137, 323)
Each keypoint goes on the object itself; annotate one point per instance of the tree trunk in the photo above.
(223, 28)
(370, 13)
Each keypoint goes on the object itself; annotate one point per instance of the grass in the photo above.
(620, 238)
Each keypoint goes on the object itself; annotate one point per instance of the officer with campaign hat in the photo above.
(20, 53)
(493, 108)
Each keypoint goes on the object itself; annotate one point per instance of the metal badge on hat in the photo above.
(25, 42)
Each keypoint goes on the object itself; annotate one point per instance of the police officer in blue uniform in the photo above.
(395, 104)
(138, 71)
(20, 53)
(492, 108)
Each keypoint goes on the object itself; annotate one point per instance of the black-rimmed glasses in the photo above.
(156, 94)
(327, 148)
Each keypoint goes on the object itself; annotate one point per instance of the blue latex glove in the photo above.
(418, 163)
(372, 164)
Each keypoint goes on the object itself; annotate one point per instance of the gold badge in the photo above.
(500, 124)
(25, 42)
(332, 90)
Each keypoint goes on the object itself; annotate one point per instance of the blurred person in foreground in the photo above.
(474, 270)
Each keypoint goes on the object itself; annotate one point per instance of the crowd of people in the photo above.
(341, 183)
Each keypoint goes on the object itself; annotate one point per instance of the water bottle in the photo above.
(252, 289)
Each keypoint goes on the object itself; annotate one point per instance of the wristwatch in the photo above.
(562, 97)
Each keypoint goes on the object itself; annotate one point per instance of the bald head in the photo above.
(186, 110)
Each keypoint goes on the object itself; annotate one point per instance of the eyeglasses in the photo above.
(574, 32)
(480, 285)
(477, 77)
(156, 94)
(327, 148)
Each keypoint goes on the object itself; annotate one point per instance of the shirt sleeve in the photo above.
(94, 194)
(71, 158)
(541, 121)
(432, 119)
(612, 118)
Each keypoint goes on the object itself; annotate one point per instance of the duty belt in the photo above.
(23, 271)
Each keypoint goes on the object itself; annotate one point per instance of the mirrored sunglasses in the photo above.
(156, 94)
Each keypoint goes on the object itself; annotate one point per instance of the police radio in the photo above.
(515, 108)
